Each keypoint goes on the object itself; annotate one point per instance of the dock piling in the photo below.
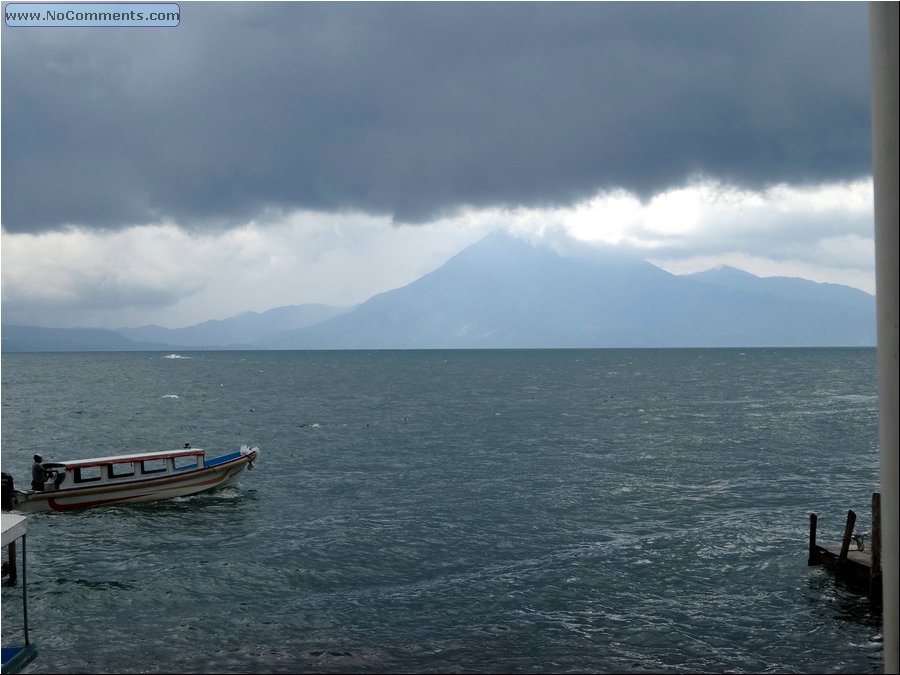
(848, 535)
(875, 580)
(813, 556)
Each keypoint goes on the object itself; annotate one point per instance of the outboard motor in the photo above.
(7, 492)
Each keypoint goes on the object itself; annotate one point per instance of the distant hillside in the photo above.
(240, 330)
(799, 290)
(36, 339)
(502, 292)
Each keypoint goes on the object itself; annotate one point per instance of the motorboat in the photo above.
(129, 479)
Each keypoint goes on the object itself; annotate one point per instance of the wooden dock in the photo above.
(852, 562)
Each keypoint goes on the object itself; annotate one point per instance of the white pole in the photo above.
(884, 67)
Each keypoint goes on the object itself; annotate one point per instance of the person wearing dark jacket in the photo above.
(38, 473)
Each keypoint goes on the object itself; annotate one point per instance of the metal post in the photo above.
(24, 589)
(883, 43)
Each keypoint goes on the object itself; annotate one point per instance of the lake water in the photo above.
(454, 511)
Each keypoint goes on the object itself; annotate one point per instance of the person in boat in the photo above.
(39, 474)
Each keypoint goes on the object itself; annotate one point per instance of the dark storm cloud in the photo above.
(415, 109)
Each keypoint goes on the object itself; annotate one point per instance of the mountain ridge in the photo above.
(502, 292)
(241, 329)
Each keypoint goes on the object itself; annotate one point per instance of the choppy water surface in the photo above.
(459, 511)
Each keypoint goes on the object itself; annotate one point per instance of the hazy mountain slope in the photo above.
(37, 339)
(242, 329)
(502, 292)
(786, 288)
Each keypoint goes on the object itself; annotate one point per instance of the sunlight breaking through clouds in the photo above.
(167, 274)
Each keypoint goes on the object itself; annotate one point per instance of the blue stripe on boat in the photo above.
(224, 458)
(16, 658)
(9, 653)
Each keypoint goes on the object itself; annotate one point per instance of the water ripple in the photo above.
(627, 511)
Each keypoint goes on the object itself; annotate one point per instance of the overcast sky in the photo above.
(264, 154)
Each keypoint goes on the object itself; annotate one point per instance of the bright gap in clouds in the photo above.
(175, 277)
(823, 233)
